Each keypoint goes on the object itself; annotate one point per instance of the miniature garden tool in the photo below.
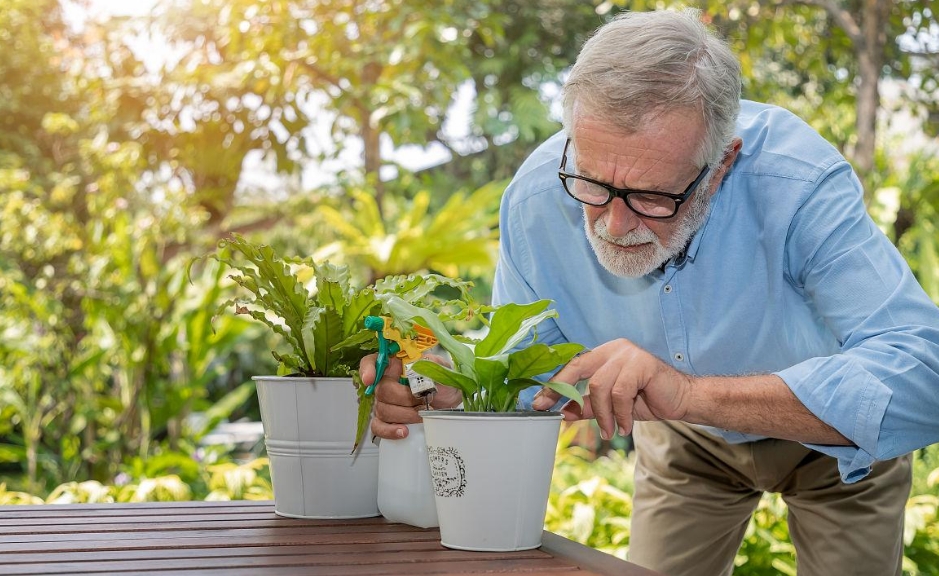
(392, 342)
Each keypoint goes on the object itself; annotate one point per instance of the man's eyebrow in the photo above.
(658, 189)
(573, 168)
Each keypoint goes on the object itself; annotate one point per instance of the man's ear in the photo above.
(730, 156)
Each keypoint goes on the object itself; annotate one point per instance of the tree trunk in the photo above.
(870, 53)
(371, 135)
(867, 32)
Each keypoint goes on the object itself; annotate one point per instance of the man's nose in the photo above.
(620, 219)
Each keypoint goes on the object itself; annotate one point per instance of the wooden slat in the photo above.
(127, 529)
(219, 552)
(299, 558)
(414, 566)
(135, 508)
(217, 541)
(83, 520)
(247, 538)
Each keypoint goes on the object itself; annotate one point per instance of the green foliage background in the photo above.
(119, 164)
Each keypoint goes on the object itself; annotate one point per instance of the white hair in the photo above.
(644, 64)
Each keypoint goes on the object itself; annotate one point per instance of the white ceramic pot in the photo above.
(309, 431)
(492, 474)
(405, 487)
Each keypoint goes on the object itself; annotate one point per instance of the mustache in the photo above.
(631, 238)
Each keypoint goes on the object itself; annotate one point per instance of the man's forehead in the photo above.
(671, 137)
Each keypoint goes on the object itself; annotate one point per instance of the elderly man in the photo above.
(747, 321)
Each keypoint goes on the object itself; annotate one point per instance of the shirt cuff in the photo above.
(851, 400)
(853, 463)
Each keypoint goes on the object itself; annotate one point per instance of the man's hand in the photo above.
(625, 383)
(394, 403)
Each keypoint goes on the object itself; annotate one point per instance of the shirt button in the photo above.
(679, 356)
(668, 288)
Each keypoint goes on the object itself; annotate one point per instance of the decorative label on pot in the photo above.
(446, 466)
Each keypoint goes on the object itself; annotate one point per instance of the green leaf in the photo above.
(365, 409)
(357, 340)
(332, 285)
(324, 333)
(540, 358)
(223, 408)
(360, 305)
(314, 356)
(510, 324)
(445, 376)
(274, 287)
(566, 390)
(490, 378)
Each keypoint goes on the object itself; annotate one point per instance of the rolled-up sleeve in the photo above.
(882, 390)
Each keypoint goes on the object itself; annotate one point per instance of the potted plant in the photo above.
(492, 465)
(314, 411)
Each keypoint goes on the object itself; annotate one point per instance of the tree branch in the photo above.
(331, 80)
(842, 17)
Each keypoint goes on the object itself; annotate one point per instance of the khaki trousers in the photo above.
(695, 494)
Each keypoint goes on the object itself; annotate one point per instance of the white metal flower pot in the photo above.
(492, 474)
(309, 431)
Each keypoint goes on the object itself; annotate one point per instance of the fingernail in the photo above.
(604, 434)
(400, 433)
(622, 431)
(541, 403)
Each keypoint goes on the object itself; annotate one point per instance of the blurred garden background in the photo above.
(379, 133)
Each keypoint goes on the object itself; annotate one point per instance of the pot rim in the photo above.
(297, 378)
(460, 414)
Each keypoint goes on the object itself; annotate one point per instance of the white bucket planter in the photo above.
(309, 431)
(492, 474)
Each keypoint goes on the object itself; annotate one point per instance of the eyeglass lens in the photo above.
(595, 194)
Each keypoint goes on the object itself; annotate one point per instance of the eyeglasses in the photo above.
(643, 202)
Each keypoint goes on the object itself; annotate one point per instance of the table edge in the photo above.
(587, 557)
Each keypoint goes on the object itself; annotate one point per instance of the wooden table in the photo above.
(243, 537)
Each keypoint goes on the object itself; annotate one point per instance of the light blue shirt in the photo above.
(789, 275)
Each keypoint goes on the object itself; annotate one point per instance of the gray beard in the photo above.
(654, 253)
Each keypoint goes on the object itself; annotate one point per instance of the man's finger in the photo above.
(386, 430)
(393, 392)
(544, 399)
(572, 411)
(583, 366)
(579, 368)
(623, 397)
(396, 413)
(600, 388)
(367, 369)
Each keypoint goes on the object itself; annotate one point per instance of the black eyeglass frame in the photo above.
(625, 193)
